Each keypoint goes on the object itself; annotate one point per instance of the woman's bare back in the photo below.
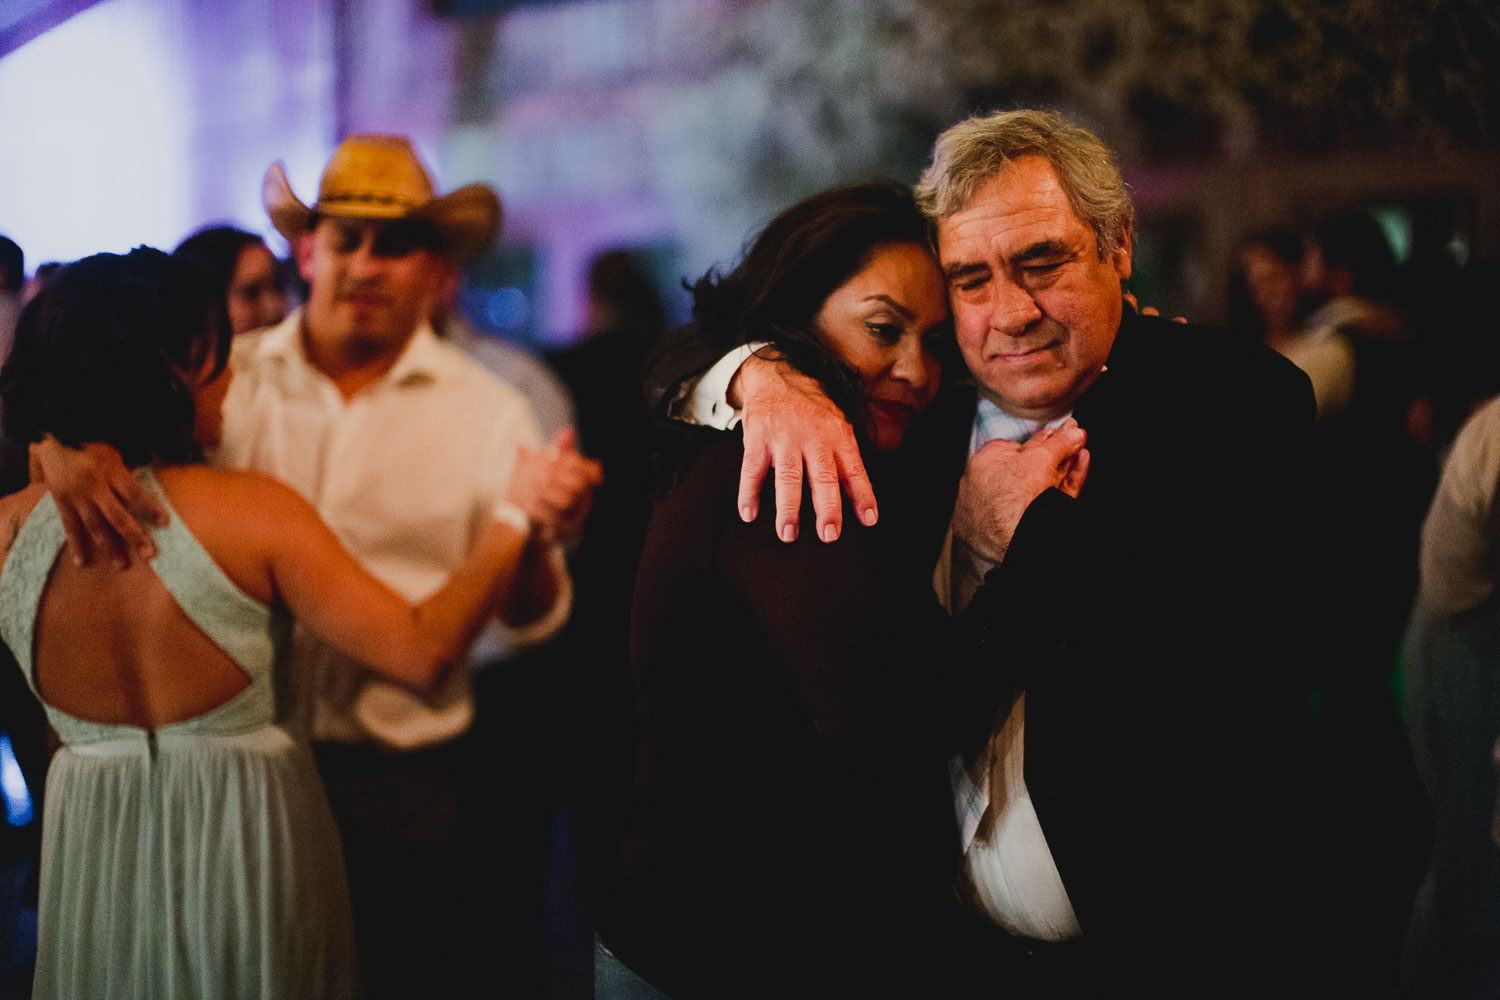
(113, 646)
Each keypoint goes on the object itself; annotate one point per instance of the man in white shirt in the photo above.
(406, 447)
(1124, 823)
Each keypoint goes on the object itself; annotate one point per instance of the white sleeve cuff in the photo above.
(508, 512)
(499, 641)
(706, 402)
(552, 622)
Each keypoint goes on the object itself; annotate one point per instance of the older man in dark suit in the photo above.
(1132, 817)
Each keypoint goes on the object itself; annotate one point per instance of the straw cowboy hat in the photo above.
(380, 177)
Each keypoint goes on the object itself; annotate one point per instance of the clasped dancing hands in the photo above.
(555, 488)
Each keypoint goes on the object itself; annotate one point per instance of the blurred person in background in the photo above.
(510, 362)
(1452, 684)
(1323, 299)
(246, 268)
(12, 279)
(1318, 300)
(406, 447)
(602, 369)
(1369, 482)
(39, 278)
(1446, 287)
(517, 691)
(1347, 272)
(22, 723)
(1265, 297)
(12, 298)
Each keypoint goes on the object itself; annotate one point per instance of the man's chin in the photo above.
(1029, 404)
(367, 317)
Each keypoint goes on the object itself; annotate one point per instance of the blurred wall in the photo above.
(135, 121)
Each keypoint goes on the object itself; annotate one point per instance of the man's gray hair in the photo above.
(968, 154)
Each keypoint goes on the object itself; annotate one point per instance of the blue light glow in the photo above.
(18, 810)
(507, 309)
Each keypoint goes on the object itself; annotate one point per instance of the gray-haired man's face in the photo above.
(1035, 309)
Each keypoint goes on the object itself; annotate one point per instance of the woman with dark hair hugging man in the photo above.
(187, 846)
(793, 830)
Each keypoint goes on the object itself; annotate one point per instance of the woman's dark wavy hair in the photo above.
(799, 259)
(108, 351)
(217, 249)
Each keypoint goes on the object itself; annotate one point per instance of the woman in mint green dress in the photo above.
(188, 850)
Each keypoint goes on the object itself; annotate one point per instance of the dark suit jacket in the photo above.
(1153, 624)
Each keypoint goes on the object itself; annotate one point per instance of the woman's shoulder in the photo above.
(240, 519)
(14, 510)
(235, 488)
(235, 507)
(711, 471)
(690, 519)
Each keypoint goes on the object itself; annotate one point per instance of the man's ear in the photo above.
(1121, 258)
(441, 291)
(302, 250)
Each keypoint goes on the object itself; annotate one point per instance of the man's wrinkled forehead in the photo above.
(984, 209)
(975, 189)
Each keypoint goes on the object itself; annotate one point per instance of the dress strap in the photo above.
(234, 620)
(24, 578)
(245, 629)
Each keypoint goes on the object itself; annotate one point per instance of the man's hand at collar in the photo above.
(102, 506)
(790, 423)
(1003, 478)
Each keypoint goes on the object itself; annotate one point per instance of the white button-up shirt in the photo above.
(406, 474)
(1008, 870)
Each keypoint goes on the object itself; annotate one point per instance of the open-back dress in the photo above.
(197, 859)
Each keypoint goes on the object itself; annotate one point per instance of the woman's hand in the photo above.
(1130, 300)
(104, 509)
